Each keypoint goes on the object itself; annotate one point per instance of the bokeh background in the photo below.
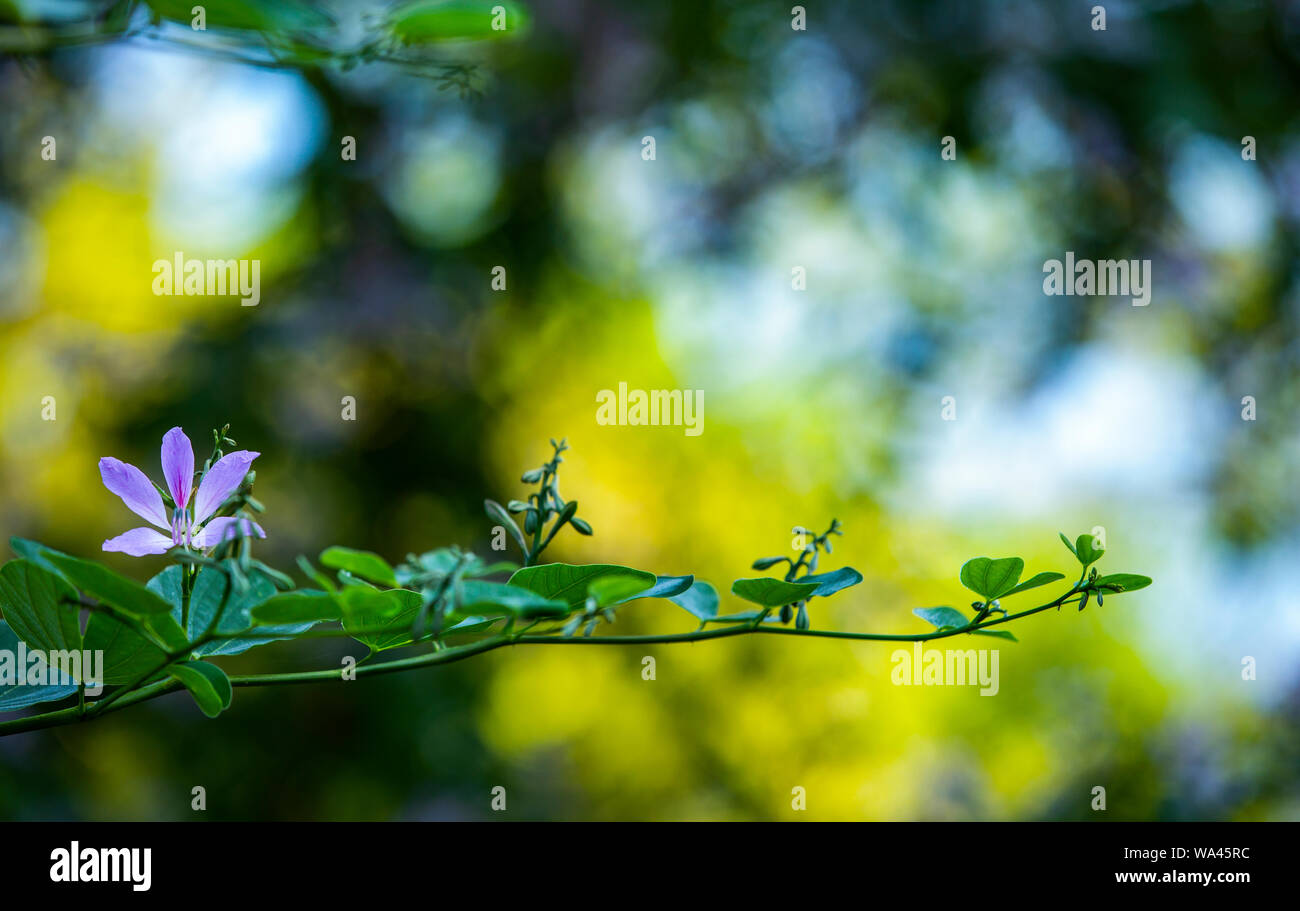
(775, 148)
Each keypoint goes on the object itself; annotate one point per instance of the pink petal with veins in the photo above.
(140, 542)
(136, 491)
(221, 481)
(178, 465)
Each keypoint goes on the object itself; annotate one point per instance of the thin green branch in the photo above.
(129, 696)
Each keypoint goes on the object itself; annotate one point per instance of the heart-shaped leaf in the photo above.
(500, 599)
(1088, 549)
(569, 583)
(767, 592)
(380, 619)
(992, 578)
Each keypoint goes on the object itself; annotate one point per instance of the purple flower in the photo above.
(193, 508)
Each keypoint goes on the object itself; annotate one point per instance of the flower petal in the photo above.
(178, 465)
(221, 481)
(136, 491)
(222, 529)
(139, 542)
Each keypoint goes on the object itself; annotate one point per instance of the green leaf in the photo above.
(497, 513)
(1088, 549)
(210, 587)
(207, 683)
(992, 578)
(610, 590)
(664, 587)
(1131, 582)
(127, 654)
(14, 696)
(1035, 582)
(763, 563)
(348, 579)
(302, 606)
(700, 600)
(942, 617)
(380, 619)
(40, 607)
(273, 16)
(426, 21)
(832, 582)
(502, 599)
(316, 575)
(103, 584)
(768, 592)
(36, 552)
(441, 562)
(360, 563)
(999, 633)
(1067, 543)
(569, 583)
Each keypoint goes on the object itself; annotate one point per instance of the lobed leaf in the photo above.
(1088, 549)
(386, 617)
(992, 578)
(569, 583)
(501, 599)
